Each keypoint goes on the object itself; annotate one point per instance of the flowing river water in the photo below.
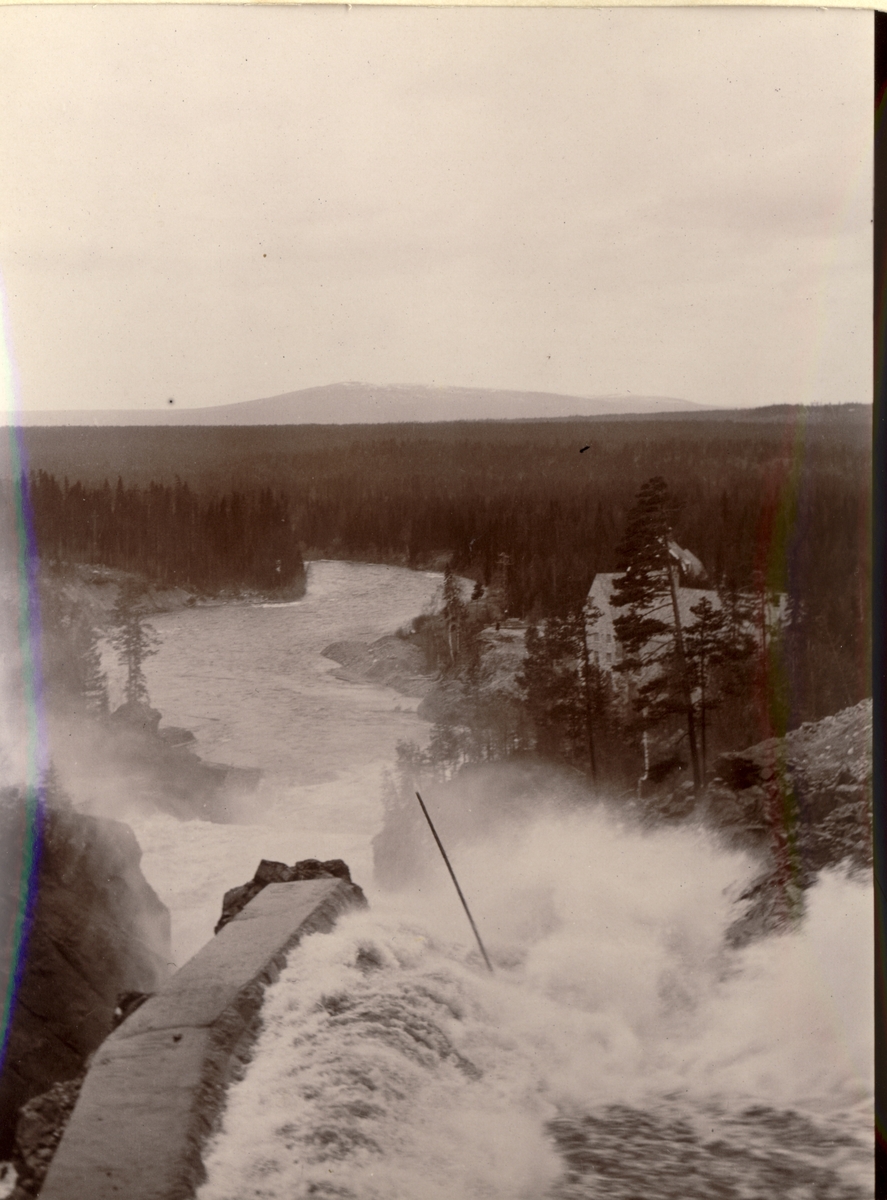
(251, 683)
(619, 1049)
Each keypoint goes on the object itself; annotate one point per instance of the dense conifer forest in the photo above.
(773, 498)
(169, 534)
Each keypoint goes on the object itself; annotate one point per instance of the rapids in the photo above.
(619, 1049)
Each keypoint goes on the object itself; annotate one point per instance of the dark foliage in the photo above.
(781, 493)
(133, 639)
(642, 590)
(69, 650)
(654, 645)
(568, 698)
(169, 534)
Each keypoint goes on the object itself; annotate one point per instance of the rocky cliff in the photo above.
(97, 930)
(805, 801)
(813, 787)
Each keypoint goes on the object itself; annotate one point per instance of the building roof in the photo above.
(692, 570)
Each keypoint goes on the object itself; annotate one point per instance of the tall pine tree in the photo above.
(650, 630)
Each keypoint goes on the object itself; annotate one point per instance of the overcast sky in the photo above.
(217, 204)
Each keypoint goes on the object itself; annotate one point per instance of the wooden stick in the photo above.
(456, 882)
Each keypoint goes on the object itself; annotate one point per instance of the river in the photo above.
(619, 1049)
(251, 683)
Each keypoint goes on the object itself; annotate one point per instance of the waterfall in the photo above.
(620, 1049)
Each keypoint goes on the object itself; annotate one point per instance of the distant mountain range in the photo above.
(371, 404)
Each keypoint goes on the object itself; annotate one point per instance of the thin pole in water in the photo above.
(455, 881)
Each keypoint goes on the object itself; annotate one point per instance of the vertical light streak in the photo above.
(24, 683)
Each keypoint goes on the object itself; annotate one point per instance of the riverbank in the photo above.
(130, 763)
(394, 661)
(96, 589)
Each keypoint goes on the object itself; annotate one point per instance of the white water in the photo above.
(392, 1065)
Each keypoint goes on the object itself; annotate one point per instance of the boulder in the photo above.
(269, 871)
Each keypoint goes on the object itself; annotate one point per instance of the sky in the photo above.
(218, 204)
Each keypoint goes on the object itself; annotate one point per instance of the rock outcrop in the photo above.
(814, 784)
(805, 800)
(236, 899)
(97, 929)
(38, 1132)
(392, 661)
(156, 766)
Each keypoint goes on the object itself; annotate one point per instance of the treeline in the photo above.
(679, 695)
(169, 534)
(542, 506)
(692, 680)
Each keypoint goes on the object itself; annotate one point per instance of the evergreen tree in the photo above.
(72, 666)
(653, 645)
(505, 504)
(737, 674)
(92, 680)
(562, 689)
(706, 644)
(133, 639)
(592, 681)
(454, 613)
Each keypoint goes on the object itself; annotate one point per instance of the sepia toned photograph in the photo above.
(435, 603)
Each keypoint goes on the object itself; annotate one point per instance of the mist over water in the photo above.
(392, 1064)
(619, 1050)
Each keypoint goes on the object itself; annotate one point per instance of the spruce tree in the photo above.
(72, 665)
(562, 688)
(133, 639)
(93, 683)
(706, 643)
(653, 645)
(454, 613)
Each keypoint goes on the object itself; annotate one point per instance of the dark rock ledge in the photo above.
(97, 929)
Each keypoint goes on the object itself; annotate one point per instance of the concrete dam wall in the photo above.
(156, 1086)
